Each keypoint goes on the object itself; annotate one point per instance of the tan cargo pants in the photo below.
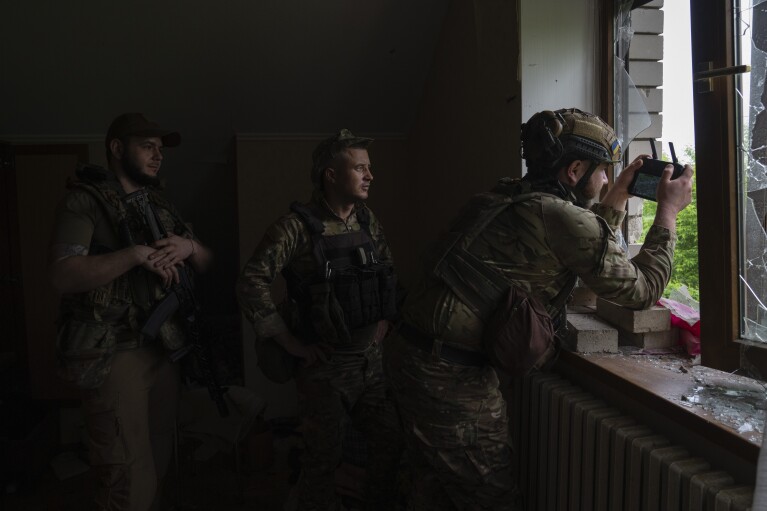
(130, 421)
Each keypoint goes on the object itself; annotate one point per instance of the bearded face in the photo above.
(141, 160)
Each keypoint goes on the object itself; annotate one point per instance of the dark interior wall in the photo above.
(202, 183)
(466, 135)
(270, 175)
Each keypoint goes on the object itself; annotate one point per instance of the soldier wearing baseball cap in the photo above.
(118, 246)
(519, 247)
(341, 286)
(136, 125)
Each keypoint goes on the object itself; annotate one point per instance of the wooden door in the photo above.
(40, 175)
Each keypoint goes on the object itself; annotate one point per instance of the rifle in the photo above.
(181, 298)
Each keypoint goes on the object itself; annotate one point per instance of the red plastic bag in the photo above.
(685, 315)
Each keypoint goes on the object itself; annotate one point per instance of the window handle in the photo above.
(705, 74)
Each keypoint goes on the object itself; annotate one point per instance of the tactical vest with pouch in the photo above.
(519, 333)
(351, 287)
(94, 324)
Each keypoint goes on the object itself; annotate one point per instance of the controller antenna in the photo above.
(652, 147)
(673, 153)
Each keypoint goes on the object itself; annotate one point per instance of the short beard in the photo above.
(134, 173)
(584, 202)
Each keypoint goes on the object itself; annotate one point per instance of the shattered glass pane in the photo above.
(731, 400)
(631, 115)
(756, 331)
(735, 401)
(752, 97)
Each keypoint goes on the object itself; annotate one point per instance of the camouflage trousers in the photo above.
(456, 432)
(131, 421)
(353, 386)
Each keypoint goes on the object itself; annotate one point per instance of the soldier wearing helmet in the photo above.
(341, 295)
(534, 235)
(552, 140)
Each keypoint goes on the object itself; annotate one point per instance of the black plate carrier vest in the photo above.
(360, 285)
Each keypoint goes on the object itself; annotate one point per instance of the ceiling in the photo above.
(215, 68)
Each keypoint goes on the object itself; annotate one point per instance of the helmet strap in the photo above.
(582, 183)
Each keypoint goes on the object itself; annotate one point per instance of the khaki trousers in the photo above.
(130, 421)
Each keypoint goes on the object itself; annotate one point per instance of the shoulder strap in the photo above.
(363, 217)
(107, 194)
(489, 205)
(477, 284)
(109, 200)
(308, 217)
(316, 228)
(159, 200)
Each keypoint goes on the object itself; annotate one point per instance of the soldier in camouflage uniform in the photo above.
(539, 239)
(111, 272)
(338, 267)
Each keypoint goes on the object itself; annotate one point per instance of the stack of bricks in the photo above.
(587, 333)
(601, 328)
(649, 328)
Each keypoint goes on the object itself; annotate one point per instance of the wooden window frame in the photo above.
(717, 167)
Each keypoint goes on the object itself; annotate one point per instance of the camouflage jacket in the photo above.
(538, 244)
(287, 243)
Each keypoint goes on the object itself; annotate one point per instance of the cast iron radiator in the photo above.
(576, 452)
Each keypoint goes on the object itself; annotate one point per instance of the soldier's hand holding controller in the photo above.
(673, 196)
(625, 178)
(618, 194)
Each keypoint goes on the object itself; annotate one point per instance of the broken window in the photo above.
(751, 45)
(652, 43)
(630, 111)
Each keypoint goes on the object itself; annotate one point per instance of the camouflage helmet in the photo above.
(330, 148)
(549, 136)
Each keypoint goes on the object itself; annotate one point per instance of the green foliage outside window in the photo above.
(686, 253)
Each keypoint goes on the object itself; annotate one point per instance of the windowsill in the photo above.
(619, 378)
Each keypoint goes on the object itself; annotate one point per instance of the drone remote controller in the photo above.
(647, 178)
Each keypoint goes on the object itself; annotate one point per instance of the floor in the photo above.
(222, 483)
(208, 489)
(260, 478)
